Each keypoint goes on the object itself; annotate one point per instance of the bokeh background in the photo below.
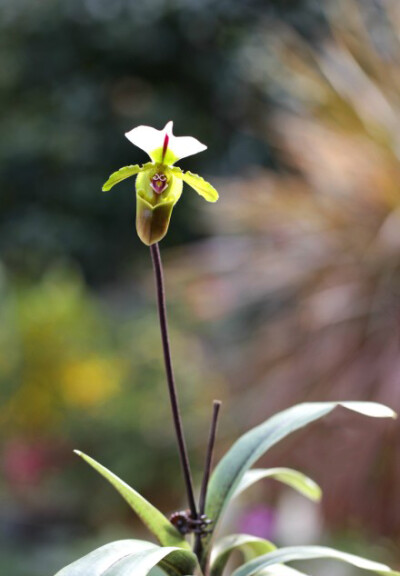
(286, 290)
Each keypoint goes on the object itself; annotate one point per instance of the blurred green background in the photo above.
(286, 290)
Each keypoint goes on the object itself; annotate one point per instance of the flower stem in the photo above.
(162, 313)
(207, 471)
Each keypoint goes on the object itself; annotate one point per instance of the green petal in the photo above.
(155, 521)
(123, 173)
(198, 184)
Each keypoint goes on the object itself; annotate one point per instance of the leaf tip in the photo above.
(374, 409)
(317, 496)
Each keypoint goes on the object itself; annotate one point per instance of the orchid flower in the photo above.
(159, 183)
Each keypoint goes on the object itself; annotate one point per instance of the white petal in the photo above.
(183, 146)
(152, 141)
(146, 138)
(168, 129)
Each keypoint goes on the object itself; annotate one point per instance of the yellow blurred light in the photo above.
(89, 382)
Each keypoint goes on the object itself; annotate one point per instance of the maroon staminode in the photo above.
(159, 183)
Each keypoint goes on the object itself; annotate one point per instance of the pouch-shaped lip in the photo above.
(152, 222)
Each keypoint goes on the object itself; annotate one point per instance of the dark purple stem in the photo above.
(207, 471)
(162, 312)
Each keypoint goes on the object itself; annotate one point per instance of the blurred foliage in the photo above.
(74, 77)
(81, 372)
(52, 360)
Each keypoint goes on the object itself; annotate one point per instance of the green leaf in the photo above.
(198, 184)
(252, 445)
(98, 561)
(174, 561)
(128, 557)
(296, 480)
(292, 553)
(155, 521)
(123, 173)
(249, 546)
(279, 570)
(157, 572)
